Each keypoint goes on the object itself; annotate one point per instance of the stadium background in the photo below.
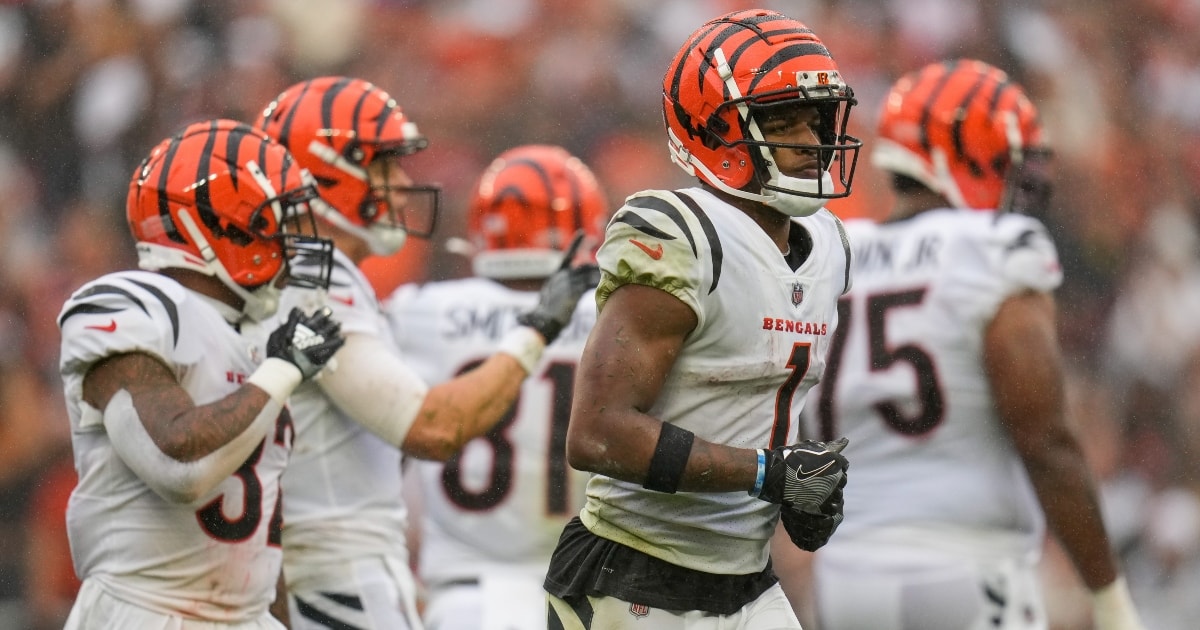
(87, 86)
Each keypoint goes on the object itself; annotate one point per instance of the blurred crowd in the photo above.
(88, 86)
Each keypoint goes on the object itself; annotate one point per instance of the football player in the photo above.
(345, 561)
(177, 412)
(946, 375)
(491, 514)
(716, 311)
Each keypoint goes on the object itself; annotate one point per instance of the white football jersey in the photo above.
(741, 378)
(217, 558)
(504, 499)
(343, 483)
(906, 382)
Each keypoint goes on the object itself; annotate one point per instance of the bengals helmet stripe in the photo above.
(927, 111)
(164, 203)
(515, 191)
(225, 200)
(966, 131)
(731, 29)
(526, 206)
(336, 127)
(728, 74)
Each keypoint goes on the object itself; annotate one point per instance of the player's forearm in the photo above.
(180, 429)
(173, 479)
(1068, 497)
(464, 408)
(622, 446)
(204, 429)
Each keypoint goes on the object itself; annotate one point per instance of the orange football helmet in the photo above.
(736, 68)
(527, 206)
(967, 132)
(336, 127)
(225, 200)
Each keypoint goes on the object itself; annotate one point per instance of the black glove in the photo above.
(560, 293)
(809, 529)
(804, 475)
(306, 341)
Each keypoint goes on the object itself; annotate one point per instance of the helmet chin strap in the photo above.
(945, 181)
(331, 157)
(382, 240)
(791, 205)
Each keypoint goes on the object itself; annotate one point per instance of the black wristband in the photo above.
(670, 459)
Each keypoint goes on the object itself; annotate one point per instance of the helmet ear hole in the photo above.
(715, 131)
(240, 237)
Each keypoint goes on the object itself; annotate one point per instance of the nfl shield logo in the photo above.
(797, 293)
(639, 610)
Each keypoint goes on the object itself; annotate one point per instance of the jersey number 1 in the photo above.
(798, 361)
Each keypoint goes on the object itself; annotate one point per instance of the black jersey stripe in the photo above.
(347, 271)
(168, 305)
(87, 309)
(710, 232)
(640, 223)
(99, 289)
(349, 601)
(665, 207)
(846, 248)
(308, 611)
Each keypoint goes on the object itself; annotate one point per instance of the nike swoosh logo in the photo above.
(656, 252)
(112, 326)
(348, 301)
(809, 473)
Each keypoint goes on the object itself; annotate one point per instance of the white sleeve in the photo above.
(372, 385)
(653, 241)
(173, 480)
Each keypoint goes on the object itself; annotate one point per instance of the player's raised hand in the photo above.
(306, 341)
(805, 475)
(560, 293)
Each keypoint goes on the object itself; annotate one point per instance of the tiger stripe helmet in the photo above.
(966, 131)
(225, 200)
(734, 66)
(526, 207)
(336, 127)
